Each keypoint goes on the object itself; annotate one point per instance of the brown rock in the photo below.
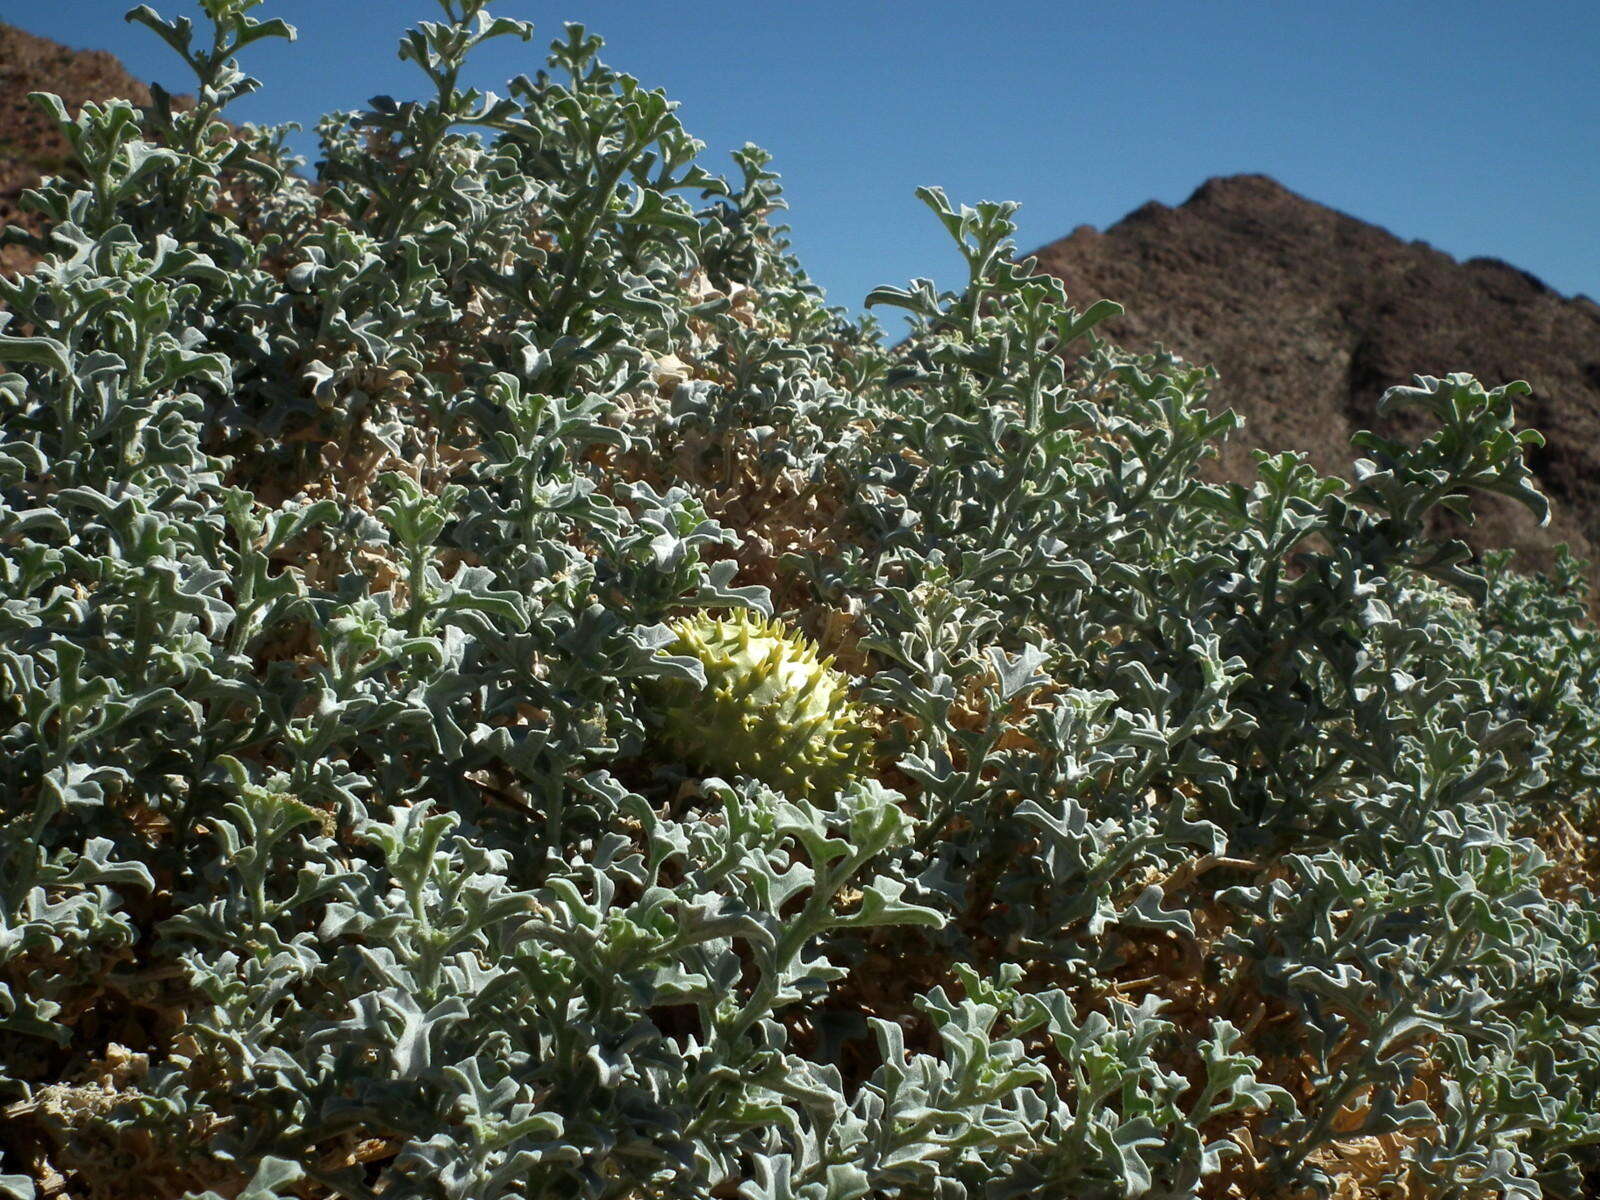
(30, 145)
(1309, 314)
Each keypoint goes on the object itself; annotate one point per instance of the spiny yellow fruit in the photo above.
(772, 708)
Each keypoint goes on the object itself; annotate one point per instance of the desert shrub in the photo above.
(1213, 840)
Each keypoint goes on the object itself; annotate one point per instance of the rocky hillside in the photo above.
(1308, 314)
(29, 143)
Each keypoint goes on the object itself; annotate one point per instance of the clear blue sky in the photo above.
(1471, 125)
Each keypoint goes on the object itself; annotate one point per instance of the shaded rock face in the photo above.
(1309, 314)
(30, 146)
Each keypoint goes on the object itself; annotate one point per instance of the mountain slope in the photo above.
(29, 143)
(1308, 314)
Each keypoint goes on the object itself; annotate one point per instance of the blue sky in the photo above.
(1474, 126)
